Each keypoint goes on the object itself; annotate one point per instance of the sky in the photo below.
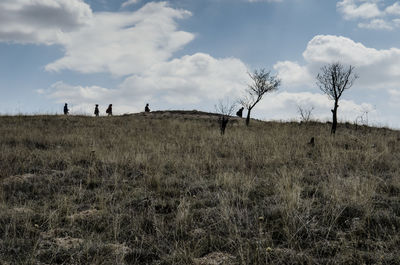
(190, 54)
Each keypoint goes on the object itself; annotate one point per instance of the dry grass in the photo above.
(166, 188)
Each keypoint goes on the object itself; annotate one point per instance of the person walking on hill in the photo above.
(147, 109)
(66, 110)
(239, 113)
(109, 110)
(96, 110)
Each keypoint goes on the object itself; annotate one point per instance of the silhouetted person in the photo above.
(96, 110)
(312, 142)
(147, 109)
(239, 113)
(66, 110)
(109, 110)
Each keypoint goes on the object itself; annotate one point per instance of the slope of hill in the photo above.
(167, 188)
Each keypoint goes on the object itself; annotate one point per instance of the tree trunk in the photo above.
(223, 123)
(248, 117)
(334, 118)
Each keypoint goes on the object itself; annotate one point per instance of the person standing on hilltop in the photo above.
(109, 110)
(239, 113)
(147, 109)
(96, 110)
(66, 110)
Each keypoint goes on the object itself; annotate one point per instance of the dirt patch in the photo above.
(198, 233)
(119, 249)
(23, 210)
(216, 258)
(19, 179)
(84, 215)
(68, 242)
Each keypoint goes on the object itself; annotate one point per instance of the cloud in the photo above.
(371, 15)
(120, 43)
(376, 24)
(378, 69)
(353, 9)
(293, 74)
(41, 21)
(62, 91)
(394, 95)
(129, 2)
(192, 79)
(124, 43)
(393, 9)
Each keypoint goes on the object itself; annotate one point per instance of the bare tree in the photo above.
(362, 119)
(225, 109)
(305, 113)
(333, 80)
(262, 82)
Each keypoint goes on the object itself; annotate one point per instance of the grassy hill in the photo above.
(167, 188)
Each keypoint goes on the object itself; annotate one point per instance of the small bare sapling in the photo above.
(225, 109)
(305, 113)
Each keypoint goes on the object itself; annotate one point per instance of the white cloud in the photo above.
(62, 91)
(41, 21)
(328, 48)
(395, 95)
(373, 14)
(129, 2)
(393, 9)
(352, 9)
(118, 43)
(376, 24)
(124, 43)
(192, 79)
(293, 74)
(396, 22)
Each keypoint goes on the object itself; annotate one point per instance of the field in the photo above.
(167, 188)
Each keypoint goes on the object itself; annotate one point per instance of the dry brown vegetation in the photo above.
(167, 188)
